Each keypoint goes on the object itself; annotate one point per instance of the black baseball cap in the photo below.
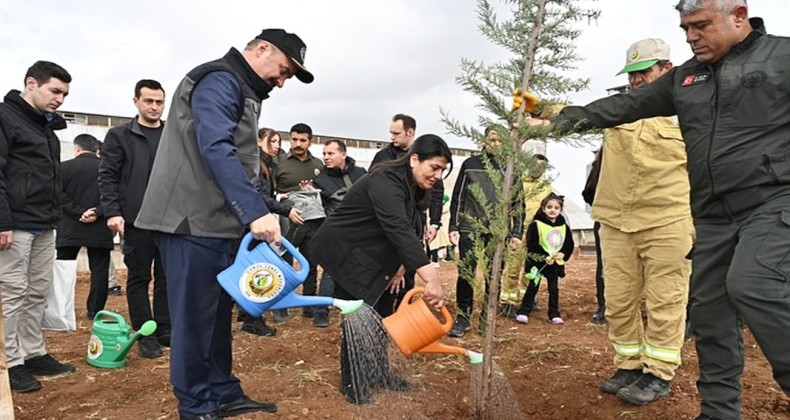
(292, 46)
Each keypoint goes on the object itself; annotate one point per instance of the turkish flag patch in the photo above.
(695, 79)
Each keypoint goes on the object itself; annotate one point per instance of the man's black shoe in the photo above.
(706, 417)
(620, 379)
(115, 291)
(258, 326)
(600, 316)
(460, 326)
(206, 416)
(645, 390)
(46, 365)
(321, 319)
(308, 311)
(245, 405)
(91, 316)
(149, 348)
(22, 380)
(280, 315)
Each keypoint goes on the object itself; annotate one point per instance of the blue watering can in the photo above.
(260, 280)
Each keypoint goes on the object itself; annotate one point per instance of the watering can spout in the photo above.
(475, 358)
(437, 347)
(347, 306)
(147, 329)
(295, 300)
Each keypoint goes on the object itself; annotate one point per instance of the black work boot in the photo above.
(600, 316)
(645, 390)
(620, 379)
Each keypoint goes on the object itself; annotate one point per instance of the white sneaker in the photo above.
(557, 321)
(436, 264)
(522, 319)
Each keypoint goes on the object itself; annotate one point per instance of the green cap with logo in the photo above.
(644, 54)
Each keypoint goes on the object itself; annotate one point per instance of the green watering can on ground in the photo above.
(110, 339)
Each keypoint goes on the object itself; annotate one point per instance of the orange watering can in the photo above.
(415, 328)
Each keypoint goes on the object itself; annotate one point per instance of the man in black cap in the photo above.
(200, 201)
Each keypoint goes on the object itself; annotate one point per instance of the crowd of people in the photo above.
(691, 173)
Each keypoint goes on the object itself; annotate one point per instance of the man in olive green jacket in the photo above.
(733, 104)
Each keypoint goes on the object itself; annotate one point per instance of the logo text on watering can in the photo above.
(261, 282)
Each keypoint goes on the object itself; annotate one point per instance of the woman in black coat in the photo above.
(376, 235)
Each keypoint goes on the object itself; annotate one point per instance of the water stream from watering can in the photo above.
(503, 403)
(373, 363)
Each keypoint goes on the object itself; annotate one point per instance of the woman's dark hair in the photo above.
(265, 134)
(427, 146)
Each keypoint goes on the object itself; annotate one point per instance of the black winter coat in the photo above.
(81, 192)
(390, 152)
(376, 229)
(464, 208)
(124, 171)
(30, 180)
(331, 182)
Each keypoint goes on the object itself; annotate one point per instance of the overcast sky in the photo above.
(371, 59)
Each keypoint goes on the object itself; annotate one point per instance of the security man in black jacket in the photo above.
(340, 172)
(402, 131)
(126, 161)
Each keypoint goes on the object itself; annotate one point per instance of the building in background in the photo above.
(362, 150)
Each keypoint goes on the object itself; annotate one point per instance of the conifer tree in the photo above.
(540, 35)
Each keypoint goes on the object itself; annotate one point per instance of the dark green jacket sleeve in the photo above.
(652, 100)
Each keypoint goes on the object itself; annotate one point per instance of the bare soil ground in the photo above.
(554, 371)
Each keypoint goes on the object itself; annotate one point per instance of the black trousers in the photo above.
(300, 237)
(528, 301)
(139, 254)
(599, 285)
(201, 356)
(740, 276)
(388, 302)
(465, 293)
(99, 264)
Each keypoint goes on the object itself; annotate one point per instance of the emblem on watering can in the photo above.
(261, 282)
(95, 348)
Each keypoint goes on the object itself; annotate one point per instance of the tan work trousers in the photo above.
(650, 263)
(513, 287)
(25, 278)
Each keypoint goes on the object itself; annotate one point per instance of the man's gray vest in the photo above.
(181, 196)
